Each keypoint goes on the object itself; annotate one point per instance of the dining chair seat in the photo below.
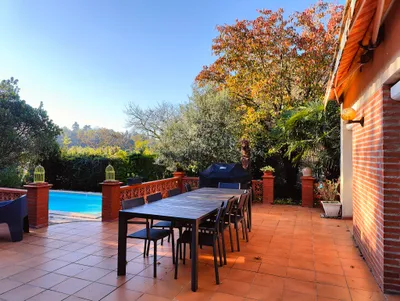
(162, 224)
(154, 234)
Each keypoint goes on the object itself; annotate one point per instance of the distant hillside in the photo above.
(96, 137)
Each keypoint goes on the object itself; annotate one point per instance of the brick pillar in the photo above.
(38, 204)
(268, 188)
(180, 175)
(111, 203)
(307, 191)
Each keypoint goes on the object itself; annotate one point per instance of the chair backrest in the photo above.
(231, 205)
(244, 197)
(127, 204)
(173, 192)
(154, 197)
(229, 185)
(218, 217)
(187, 187)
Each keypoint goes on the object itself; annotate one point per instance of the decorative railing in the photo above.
(192, 181)
(146, 188)
(11, 193)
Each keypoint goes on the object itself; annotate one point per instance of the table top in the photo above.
(189, 206)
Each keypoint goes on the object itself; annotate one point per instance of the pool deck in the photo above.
(59, 217)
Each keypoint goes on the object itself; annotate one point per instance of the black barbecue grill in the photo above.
(225, 173)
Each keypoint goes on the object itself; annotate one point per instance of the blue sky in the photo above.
(86, 59)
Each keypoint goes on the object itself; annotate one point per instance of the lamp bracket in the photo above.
(360, 121)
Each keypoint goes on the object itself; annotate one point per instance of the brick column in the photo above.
(307, 191)
(37, 196)
(180, 175)
(111, 203)
(268, 188)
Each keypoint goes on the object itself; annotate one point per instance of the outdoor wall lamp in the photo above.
(349, 114)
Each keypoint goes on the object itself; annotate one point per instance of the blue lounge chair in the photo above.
(15, 215)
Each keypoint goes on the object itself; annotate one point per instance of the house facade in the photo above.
(365, 77)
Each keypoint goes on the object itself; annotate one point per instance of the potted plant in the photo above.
(328, 192)
(267, 170)
(307, 171)
(132, 179)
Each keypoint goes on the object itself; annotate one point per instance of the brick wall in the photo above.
(376, 187)
(391, 192)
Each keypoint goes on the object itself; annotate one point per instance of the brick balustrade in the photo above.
(307, 191)
(11, 193)
(268, 188)
(38, 204)
(192, 181)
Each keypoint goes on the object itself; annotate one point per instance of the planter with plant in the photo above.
(328, 192)
(132, 179)
(267, 170)
(307, 171)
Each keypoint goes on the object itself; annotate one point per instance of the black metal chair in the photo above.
(187, 187)
(150, 234)
(239, 216)
(229, 185)
(174, 192)
(225, 223)
(205, 239)
(161, 224)
(127, 204)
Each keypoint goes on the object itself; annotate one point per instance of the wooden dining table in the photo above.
(190, 208)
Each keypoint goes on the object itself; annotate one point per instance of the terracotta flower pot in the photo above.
(267, 173)
(307, 172)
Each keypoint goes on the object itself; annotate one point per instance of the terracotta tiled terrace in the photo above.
(293, 254)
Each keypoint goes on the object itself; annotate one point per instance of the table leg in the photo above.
(122, 232)
(195, 255)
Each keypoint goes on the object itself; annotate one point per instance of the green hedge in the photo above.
(84, 172)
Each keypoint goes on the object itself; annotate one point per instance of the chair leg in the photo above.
(215, 263)
(144, 248)
(148, 248)
(223, 246)
(178, 248)
(248, 221)
(231, 237)
(169, 238)
(15, 232)
(246, 231)
(219, 252)
(237, 235)
(173, 245)
(243, 226)
(184, 252)
(26, 224)
(155, 259)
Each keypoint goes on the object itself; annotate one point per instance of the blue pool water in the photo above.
(80, 202)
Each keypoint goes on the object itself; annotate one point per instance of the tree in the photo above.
(75, 127)
(207, 130)
(151, 121)
(27, 134)
(263, 62)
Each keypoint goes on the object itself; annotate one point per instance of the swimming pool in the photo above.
(80, 202)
